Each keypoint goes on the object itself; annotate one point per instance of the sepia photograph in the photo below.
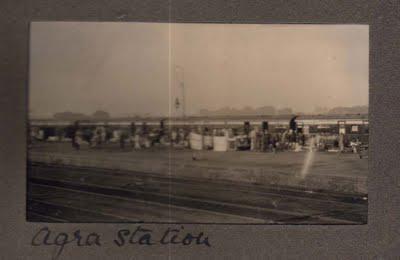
(212, 123)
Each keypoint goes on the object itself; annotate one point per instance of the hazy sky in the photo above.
(135, 68)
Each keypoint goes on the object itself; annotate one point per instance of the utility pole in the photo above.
(182, 86)
(183, 98)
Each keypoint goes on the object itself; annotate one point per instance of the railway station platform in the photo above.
(333, 172)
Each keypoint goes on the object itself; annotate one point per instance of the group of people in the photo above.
(138, 137)
(257, 138)
(100, 135)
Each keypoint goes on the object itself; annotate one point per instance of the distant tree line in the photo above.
(349, 110)
(80, 116)
(270, 110)
(228, 111)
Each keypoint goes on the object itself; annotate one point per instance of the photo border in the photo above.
(380, 238)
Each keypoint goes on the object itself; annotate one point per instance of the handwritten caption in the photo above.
(123, 237)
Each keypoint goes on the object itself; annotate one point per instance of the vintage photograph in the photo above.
(198, 123)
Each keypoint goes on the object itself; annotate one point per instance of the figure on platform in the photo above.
(161, 132)
(145, 135)
(174, 137)
(145, 129)
(108, 133)
(87, 135)
(74, 137)
(293, 124)
(293, 131)
(99, 136)
(181, 137)
(207, 139)
(278, 143)
(132, 134)
(40, 135)
(303, 139)
(122, 138)
(341, 142)
(136, 141)
(253, 139)
(273, 142)
(196, 142)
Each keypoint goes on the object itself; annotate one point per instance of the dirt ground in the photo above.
(330, 163)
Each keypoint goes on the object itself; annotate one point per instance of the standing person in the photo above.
(253, 138)
(303, 139)
(108, 134)
(194, 133)
(262, 140)
(273, 141)
(132, 134)
(145, 129)
(318, 141)
(290, 139)
(161, 132)
(299, 140)
(266, 141)
(102, 134)
(123, 136)
(97, 137)
(133, 128)
(181, 135)
(74, 137)
(279, 141)
(87, 135)
(284, 139)
(293, 131)
(258, 139)
(145, 135)
(293, 128)
(174, 136)
(341, 142)
(293, 123)
(136, 141)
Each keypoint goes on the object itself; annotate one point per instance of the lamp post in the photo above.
(182, 86)
(177, 104)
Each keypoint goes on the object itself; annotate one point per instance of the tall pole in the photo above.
(183, 97)
(182, 86)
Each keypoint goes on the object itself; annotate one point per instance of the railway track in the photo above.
(70, 194)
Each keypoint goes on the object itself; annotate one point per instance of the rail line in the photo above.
(137, 197)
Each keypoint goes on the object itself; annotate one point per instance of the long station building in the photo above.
(310, 123)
